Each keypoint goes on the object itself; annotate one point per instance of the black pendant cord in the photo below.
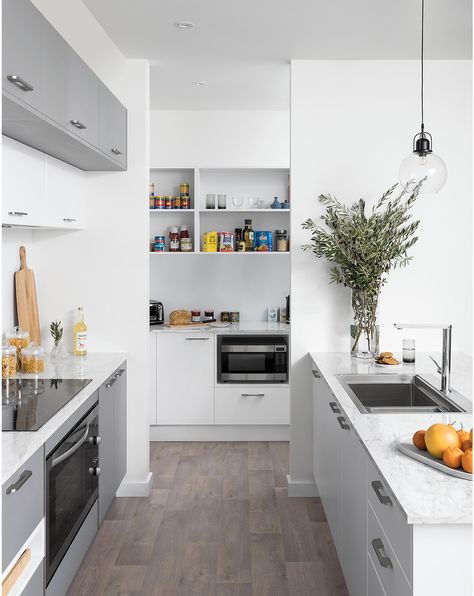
(422, 64)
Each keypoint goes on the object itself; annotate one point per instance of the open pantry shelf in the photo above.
(170, 211)
(208, 254)
(224, 211)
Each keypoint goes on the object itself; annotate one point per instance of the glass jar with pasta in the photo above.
(20, 339)
(8, 361)
(33, 359)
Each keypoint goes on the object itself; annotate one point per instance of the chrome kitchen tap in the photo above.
(445, 368)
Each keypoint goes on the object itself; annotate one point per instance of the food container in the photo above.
(185, 203)
(186, 245)
(159, 245)
(208, 316)
(174, 239)
(281, 240)
(33, 359)
(168, 202)
(177, 203)
(20, 339)
(226, 241)
(195, 316)
(152, 202)
(209, 243)
(8, 361)
(234, 317)
(263, 241)
(159, 202)
(225, 316)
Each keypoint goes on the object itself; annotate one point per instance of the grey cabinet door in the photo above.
(113, 126)
(121, 425)
(107, 476)
(24, 52)
(35, 587)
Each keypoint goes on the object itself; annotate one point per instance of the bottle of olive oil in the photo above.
(249, 237)
(80, 334)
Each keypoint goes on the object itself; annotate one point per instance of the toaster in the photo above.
(157, 313)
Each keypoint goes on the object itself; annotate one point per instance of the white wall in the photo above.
(216, 139)
(352, 124)
(105, 267)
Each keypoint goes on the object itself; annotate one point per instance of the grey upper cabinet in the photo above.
(23, 57)
(52, 100)
(113, 126)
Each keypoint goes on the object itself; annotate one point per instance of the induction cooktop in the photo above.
(27, 404)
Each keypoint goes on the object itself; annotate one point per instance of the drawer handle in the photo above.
(20, 213)
(19, 82)
(110, 382)
(252, 394)
(316, 375)
(69, 219)
(342, 423)
(78, 124)
(14, 488)
(334, 408)
(380, 552)
(378, 490)
(196, 338)
(116, 151)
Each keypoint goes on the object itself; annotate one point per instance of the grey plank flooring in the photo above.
(218, 522)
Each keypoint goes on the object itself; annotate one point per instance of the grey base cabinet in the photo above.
(113, 433)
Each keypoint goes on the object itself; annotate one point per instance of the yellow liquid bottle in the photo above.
(80, 334)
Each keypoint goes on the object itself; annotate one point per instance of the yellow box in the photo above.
(209, 242)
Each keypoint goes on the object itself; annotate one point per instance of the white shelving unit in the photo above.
(264, 184)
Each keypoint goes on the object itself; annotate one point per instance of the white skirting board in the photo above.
(220, 433)
(301, 488)
(135, 488)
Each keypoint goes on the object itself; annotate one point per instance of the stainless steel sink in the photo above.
(392, 393)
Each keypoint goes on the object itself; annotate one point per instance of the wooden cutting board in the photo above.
(26, 302)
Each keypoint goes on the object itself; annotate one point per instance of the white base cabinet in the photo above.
(252, 405)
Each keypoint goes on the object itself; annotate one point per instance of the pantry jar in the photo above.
(281, 240)
(20, 339)
(33, 359)
(8, 361)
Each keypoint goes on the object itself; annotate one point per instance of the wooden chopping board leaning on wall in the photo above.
(26, 301)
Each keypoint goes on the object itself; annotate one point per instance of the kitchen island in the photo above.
(399, 526)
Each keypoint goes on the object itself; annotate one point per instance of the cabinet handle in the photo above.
(334, 408)
(78, 124)
(342, 423)
(116, 151)
(19, 82)
(316, 375)
(95, 440)
(196, 338)
(380, 552)
(69, 219)
(21, 213)
(378, 490)
(252, 394)
(110, 382)
(119, 373)
(13, 488)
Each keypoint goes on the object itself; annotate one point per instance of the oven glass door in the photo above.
(72, 487)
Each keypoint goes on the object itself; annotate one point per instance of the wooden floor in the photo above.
(218, 523)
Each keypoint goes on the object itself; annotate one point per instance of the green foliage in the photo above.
(56, 330)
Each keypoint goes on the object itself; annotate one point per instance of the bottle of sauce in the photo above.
(249, 236)
(174, 239)
(80, 334)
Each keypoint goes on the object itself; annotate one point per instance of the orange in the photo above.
(470, 436)
(466, 461)
(466, 445)
(419, 439)
(452, 457)
(463, 435)
(439, 437)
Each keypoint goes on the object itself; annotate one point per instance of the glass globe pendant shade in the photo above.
(417, 166)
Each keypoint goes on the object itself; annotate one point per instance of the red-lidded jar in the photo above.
(208, 315)
(195, 316)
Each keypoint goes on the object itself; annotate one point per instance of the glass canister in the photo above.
(8, 361)
(33, 359)
(20, 339)
(281, 240)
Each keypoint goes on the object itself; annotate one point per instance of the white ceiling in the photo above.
(242, 48)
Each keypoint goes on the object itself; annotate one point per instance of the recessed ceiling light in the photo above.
(184, 25)
(201, 83)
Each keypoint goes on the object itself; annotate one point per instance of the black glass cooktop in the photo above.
(28, 403)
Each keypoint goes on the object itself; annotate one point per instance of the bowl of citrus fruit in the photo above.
(443, 447)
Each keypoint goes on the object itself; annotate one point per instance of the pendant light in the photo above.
(422, 162)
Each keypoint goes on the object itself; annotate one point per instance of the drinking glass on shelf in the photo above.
(222, 201)
(210, 201)
(261, 203)
(237, 202)
(252, 201)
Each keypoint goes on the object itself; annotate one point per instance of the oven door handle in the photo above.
(74, 448)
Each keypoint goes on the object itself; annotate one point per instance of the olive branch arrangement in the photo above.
(364, 248)
(56, 331)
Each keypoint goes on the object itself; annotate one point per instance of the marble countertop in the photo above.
(425, 495)
(234, 328)
(18, 447)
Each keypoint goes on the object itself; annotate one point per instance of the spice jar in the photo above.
(8, 361)
(281, 240)
(174, 239)
(20, 339)
(195, 316)
(33, 359)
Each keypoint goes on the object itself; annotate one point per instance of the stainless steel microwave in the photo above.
(252, 359)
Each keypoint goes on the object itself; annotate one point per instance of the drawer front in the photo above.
(252, 405)
(387, 565)
(374, 585)
(22, 505)
(391, 517)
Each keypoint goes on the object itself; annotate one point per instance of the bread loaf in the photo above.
(180, 317)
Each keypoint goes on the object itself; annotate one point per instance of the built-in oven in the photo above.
(252, 359)
(72, 469)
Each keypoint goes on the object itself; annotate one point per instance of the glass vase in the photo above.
(59, 352)
(364, 328)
